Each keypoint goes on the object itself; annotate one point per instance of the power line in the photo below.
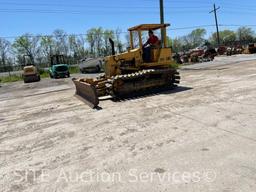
(91, 4)
(126, 32)
(52, 36)
(239, 13)
(192, 27)
(86, 11)
(96, 6)
(236, 25)
(103, 9)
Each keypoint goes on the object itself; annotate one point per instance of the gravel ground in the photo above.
(201, 137)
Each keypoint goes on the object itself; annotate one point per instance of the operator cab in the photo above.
(27, 61)
(154, 51)
(57, 59)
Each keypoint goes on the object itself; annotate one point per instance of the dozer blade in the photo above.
(86, 92)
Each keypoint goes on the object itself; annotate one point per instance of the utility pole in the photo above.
(162, 20)
(216, 22)
(161, 11)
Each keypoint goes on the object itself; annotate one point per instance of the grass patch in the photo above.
(74, 69)
(11, 78)
(14, 78)
(44, 74)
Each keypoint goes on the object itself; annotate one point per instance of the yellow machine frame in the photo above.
(160, 56)
(127, 72)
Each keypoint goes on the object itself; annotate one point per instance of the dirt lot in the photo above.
(201, 137)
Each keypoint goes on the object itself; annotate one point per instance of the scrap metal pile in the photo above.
(195, 55)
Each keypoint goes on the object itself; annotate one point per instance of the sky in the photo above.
(77, 16)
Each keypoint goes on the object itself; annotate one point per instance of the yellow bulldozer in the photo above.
(128, 73)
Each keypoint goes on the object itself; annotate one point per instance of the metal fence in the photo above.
(9, 70)
(16, 70)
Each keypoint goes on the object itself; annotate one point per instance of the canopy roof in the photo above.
(145, 27)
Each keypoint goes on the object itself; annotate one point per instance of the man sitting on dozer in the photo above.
(152, 42)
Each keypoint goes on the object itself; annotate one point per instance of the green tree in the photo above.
(91, 40)
(196, 37)
(177, 44)
(73, 46)
(192, 40)
(60, 42)
(46, 46)
(227, 37)
(118, 41)
(5, 47)
(107, 34)
(245, 34)
(98, 41)
(82, 52)
(27, 44)
(77, 47)
(98, 35)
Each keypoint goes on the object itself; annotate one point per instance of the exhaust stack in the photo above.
(112, 46)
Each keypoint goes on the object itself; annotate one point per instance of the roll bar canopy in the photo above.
(145, 27)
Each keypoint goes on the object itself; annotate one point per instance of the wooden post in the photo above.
(165, 38)
(140, 39)
(131, 40)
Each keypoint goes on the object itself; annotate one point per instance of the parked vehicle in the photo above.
(30, 73)
(58, 67)
(91, 65)
(252, 48)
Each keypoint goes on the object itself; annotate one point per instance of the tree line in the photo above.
(242, 36)
(95, 43)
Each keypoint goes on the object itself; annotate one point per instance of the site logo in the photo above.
(97, 176)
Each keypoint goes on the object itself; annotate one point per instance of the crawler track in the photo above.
(124, 85)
